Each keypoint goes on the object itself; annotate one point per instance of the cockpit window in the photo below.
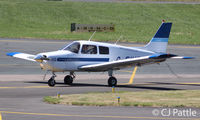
(89, 49)
(103, 50)
(73, 47)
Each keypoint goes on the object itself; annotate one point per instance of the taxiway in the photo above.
(22, 88)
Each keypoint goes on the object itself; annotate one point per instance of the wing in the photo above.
(22, 56)
(115, 65)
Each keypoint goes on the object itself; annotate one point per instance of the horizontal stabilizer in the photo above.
(183, 57)
(158, 56)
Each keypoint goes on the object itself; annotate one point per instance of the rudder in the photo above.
(159, 42)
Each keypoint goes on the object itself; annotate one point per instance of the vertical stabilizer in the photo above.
(160, 40)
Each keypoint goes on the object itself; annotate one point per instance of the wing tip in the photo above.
(188, 58)
(12, 53)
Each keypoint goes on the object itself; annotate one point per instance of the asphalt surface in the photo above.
(22, 88)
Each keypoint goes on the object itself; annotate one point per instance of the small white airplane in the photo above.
(89, 56)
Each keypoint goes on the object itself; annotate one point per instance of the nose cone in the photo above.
(40, 58)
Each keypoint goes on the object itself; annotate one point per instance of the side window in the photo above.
(73, 47)
(103, 50)
(89, 49)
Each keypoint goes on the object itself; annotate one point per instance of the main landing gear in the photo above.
(67, 80)
(112, 81)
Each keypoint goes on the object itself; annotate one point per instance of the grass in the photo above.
(52, 100)
(182, 98)
(166, 0)
(137, 22)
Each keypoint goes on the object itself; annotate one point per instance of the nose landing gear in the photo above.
(52, 81)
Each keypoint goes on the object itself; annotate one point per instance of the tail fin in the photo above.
(160, 40)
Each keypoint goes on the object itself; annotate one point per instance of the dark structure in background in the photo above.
(92, 27)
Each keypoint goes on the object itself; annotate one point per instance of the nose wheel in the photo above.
(52, 81)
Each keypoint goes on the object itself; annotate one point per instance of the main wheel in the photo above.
(112, 81)
(51, 82)
(68, 79)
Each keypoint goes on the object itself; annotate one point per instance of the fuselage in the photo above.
(81, 53)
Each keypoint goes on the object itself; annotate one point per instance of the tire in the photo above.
(68, 80)
(51, 82)
(112, 81)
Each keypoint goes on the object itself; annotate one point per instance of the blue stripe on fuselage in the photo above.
(84, 59)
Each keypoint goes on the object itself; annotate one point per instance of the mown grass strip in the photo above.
(52, 100)
(188, 1)
(182, 98)
(137, 22)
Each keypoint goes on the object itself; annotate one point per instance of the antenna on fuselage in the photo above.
(92, 35)
(118, 39)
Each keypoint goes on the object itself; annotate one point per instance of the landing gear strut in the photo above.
(52, 81)
(69, 78)
(112, 81)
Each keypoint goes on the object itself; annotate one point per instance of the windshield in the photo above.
(74, 47)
